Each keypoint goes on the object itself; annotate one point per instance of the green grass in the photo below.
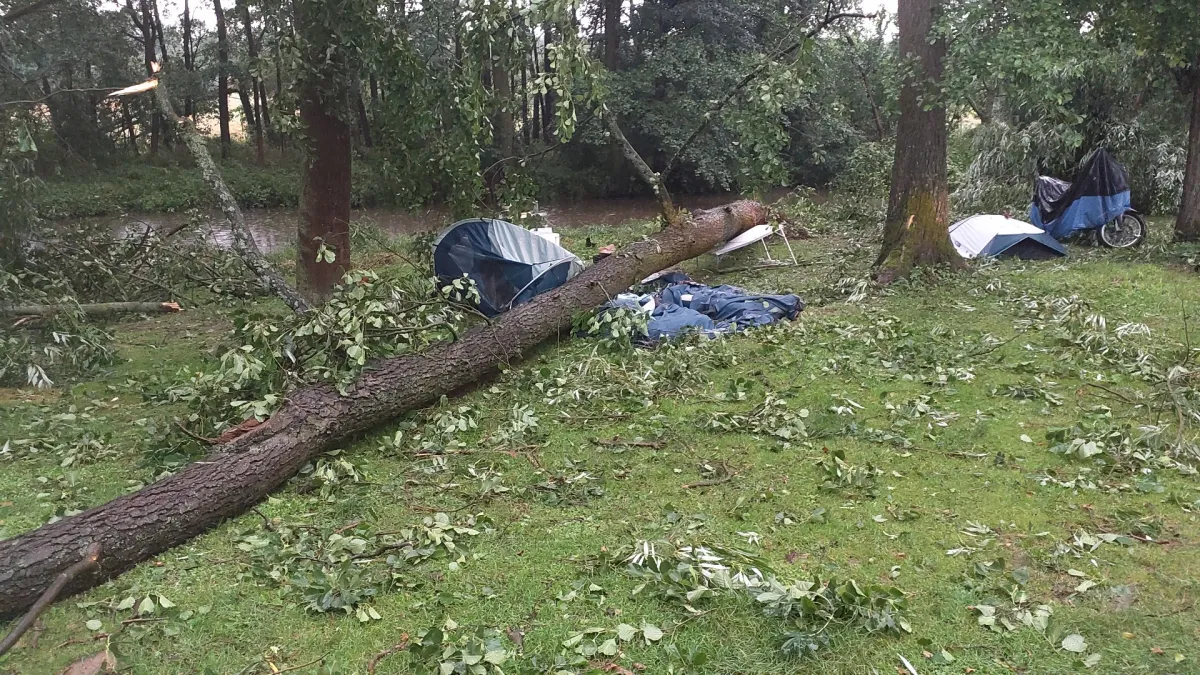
(927, 338)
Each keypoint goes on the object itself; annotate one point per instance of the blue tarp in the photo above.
(1085, 213)
(713, 310)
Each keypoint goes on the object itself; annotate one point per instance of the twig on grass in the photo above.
(398, 647)
(618, 441)
(302, 665)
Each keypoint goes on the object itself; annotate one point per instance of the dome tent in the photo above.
(994, 235)
(509, 264)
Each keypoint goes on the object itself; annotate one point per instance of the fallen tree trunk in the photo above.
(96, 309)
(140, 525)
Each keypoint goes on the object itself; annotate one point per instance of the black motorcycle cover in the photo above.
(1101, 176)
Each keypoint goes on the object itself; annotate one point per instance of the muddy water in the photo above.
(275, 229)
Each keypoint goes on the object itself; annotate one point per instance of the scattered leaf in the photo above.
(1074, 643)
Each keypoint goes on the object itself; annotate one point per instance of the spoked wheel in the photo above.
(1126, 231)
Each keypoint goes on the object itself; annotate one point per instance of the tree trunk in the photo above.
(364, 124)
(129, 130)
(158, 32)
(612, 34)
(247, 107)
(256, 119)
(95, 309)
(146, 26)
(238, 475)
(1187, 222)
(325, 183)
(503, 120)
(189, 109)
(915, 232)
(264, 115)
(222, 78)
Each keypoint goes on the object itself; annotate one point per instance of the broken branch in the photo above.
(754, 74)
(90, 558)
(95, 309)
(243, 241)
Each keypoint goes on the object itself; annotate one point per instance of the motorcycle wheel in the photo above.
(1126, 231)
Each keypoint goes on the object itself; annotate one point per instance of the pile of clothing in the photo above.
(683, 306)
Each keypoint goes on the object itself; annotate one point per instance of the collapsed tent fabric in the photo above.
(509, 264)
(686, 306)
(1099, 194)
(992, 235)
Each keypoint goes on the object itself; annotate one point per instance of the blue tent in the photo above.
(1099, 194)
(509, 264)
(992, 235)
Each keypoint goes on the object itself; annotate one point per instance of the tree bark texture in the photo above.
(140, 525)
(915, 232)
(222, 77)
(1187, 221)
(324, 196)
(243, 242)
(325, 180)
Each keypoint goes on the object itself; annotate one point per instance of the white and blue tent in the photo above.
(509, 264)
(993, 235)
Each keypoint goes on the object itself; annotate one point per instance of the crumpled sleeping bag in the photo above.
(712, 310)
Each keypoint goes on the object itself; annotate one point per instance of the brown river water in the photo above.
(275, 229)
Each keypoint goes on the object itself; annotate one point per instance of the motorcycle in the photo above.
(1097, 200)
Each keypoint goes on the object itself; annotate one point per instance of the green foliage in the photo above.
(64, 345)
(841, 476)
(448, 651)
(344, 569)
(616, 327)
(692, 575)
(367, 317)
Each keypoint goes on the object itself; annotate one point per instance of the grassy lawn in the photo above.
(944, 396)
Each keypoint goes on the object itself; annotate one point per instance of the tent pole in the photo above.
(788, 244)
(766, 250)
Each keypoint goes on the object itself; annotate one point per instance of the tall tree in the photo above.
(222, 77)
(143, 21)
(916, 232)
(254, 114)
(324, 89)
(612, 34)
(189, 63)
(1187, 222)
